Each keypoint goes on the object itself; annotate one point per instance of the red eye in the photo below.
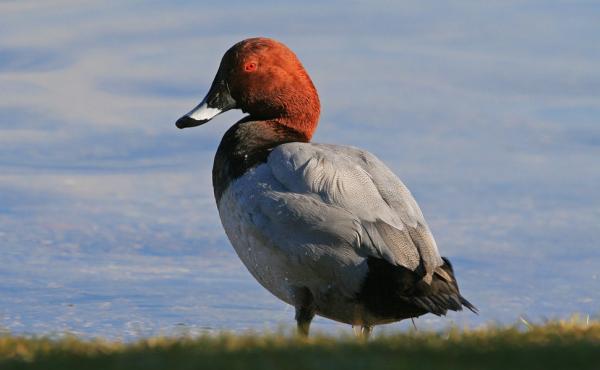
(250, 67)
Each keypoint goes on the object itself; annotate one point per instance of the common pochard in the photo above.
(328, 229)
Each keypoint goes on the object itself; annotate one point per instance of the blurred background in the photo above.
(488, 111)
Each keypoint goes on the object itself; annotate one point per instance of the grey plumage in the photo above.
(312, 215)
(387, 218)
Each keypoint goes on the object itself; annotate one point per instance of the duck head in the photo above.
(265, 79)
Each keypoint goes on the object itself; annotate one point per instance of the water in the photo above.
(489, 112)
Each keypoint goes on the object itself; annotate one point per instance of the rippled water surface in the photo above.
(490, 113)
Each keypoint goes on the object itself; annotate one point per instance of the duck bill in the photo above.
(217, 101)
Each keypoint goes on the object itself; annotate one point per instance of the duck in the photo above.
(327, 229)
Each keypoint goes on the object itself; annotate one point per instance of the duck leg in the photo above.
(305, 310)
(366, 331)
(363, 331)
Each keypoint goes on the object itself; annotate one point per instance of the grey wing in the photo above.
(375, 214)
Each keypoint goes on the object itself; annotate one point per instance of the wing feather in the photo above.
(381, 217)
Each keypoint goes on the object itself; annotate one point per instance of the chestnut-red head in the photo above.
(265, 79)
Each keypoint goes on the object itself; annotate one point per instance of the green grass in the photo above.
(556, 345)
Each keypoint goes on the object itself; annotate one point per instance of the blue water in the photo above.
(490, 113)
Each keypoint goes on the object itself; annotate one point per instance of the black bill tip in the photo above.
(186, 121)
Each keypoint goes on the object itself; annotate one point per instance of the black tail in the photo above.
(442, 295)
(396, 292)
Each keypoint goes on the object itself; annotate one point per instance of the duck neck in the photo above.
(302, 128)
(302, 117)
(248, 143)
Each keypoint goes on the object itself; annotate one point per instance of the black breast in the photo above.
(246, 145)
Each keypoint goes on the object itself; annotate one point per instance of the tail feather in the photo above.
(395, 291)
(468, 305)
(442, 295)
